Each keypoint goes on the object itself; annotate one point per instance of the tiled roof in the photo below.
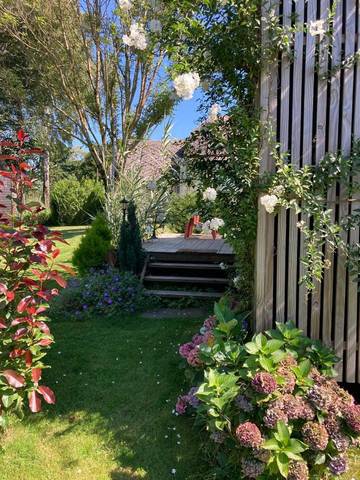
(152, 159)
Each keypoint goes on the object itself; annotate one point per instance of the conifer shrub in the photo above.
(94, 246)
(131, 255)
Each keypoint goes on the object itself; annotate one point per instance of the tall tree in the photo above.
(101, 68)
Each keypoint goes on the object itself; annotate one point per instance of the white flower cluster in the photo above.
(269, 202)
(213, 224)
(125, 5)
(186, 84)
(137, 37)
(155, 26)
(317, 27)
(210, 194)
(213, 114)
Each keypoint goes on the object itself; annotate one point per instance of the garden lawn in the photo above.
(73, 236)
(116, 383)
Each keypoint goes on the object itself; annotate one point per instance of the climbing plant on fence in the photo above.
(29, 278)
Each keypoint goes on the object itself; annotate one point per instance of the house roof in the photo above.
(153, 158)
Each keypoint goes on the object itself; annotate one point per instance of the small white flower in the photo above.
(137, 37)
(210, 194)
(236, 281)
(278, 190)
(125, 5)
(155, 26)
(173, 471)
(222, 266)
(301, 224)
(186, 84)
(317, 27)
(216, 223)
(213, 114)
(269, 202)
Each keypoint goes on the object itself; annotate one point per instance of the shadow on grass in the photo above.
(119, 378)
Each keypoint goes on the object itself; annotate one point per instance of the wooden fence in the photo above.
(310, 116)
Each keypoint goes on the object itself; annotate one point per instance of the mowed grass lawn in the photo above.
(116, 382)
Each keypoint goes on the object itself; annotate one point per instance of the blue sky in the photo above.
(185, 118)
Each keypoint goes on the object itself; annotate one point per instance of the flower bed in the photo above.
(270, 406)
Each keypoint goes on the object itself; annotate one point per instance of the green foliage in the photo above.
(94, 246)
(181, 209)
(305, 191)
(75, 202)
(131, 255)
(225, 156)
(258, 399)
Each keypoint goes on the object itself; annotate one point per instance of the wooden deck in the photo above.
(176, 243)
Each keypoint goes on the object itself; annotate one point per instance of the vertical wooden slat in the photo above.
(295, 157)
(265, 229)
(284, 147)
(351, 323)
(333, 133)
(320, 149)
(307, 143)
(353, 309)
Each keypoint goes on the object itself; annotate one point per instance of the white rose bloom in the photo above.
(216, 223)
(213, 114)
(269, 202)
(186, 84)
(137, 37)
(125, 5)
(155, 26)
(206, 227)
(317, 27)
(210, 194)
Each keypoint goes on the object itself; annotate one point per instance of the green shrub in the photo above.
(181, 209)
(270, 406)
(131, 255)
(75, 202)
(94, 246)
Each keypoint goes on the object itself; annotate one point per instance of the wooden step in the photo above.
(178, 279)
(185, 265)
(181, 294)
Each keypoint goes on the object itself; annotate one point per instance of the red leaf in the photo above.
(23, 304)
(28, 358)
(36, 374)
(21, 332)
(18, 352)
(45, 342)
(3, 325)
(67, 268)
(47, 393)
(58, 279)
(55, 253)
(34, 402)
(13, 378)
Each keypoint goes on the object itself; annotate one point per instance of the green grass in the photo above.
(73, 236)
(116, 383)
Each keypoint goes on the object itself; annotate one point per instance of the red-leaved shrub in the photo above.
(29, 278)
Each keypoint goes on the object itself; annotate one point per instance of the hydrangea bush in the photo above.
(270, 406)
(101, 292)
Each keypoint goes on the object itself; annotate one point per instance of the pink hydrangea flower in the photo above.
(249, 435)
(315, 435)
(264, 382)
(197, 339)
(181, 405)
(210, 323)
(185, 349)
(193, 358)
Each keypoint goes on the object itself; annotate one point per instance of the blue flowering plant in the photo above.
(270, 406)
(102, 292)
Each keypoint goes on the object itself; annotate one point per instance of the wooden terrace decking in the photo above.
(176, 243)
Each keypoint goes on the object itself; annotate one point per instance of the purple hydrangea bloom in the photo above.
(210, 323)
(315, 435)
(352, 417)
(185, 349)
(192, 398)
(252, 468)
(274, 415)
(298, 471)
(338, 465)
(243, 403)
(181, 404)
